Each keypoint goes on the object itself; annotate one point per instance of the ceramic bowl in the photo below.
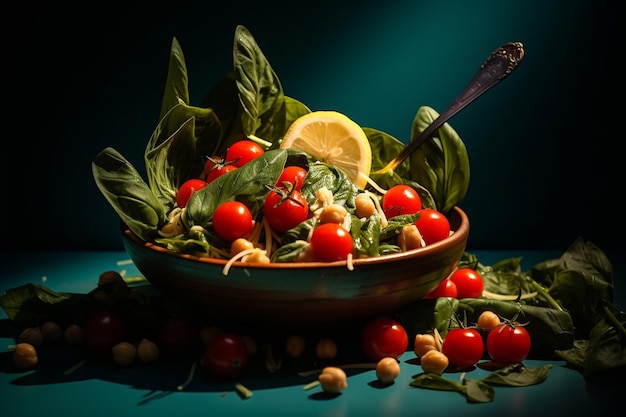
(300, 293)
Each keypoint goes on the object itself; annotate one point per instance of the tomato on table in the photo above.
(469, 283)
(226, 355)
(401, 199)
(446, 288)
(464, 347)
(508, 343)
(384, 337)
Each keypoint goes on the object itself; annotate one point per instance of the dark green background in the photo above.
(543, 144)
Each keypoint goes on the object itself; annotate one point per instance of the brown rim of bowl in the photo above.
(460, 233)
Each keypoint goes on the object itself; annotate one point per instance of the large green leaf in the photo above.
(441, 163)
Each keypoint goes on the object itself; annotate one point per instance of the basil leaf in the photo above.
(176, 85)
(517, 375)
(260, 91)
(245, 184)
(441, 163)
(131, 198)
(176, 149)
(384, 148)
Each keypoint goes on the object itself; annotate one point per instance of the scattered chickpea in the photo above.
(147, 351)
(365, 207)
(294, 345)
(434, 361)
(326, 348)
(73, 335)
(110, 277)
(387, 370)
(424, 343)
(124, 353)
(25, 356)
(52, 332)
(333, 380)
(409, 238)
(488, 320)
(32, 335)
(333, 213)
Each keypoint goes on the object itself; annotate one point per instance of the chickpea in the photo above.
(294, 345)
(239, 245)
(32, 335)
(333, 380)
(365, 206)
(409, 238)
(124, 353)
(387, 370)
(258, 256)
(434, 362)
(488, 320)
(25, 356)
(51, 331)
(333, 213)
(147, 351)
(73, 335)
(326, 348)
(110, 277)
(174, 227)
(424, 343)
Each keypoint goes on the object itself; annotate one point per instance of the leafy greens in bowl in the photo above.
(249, 102)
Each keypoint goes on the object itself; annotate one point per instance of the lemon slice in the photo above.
(332, 137)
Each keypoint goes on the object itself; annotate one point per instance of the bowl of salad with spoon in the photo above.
(259, 209)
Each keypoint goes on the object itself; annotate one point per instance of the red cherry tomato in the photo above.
(293, 175)
(432, 225)
(186, 190)
(464, 347)
(331, 242)
(383, 337)
(447, 288)
(226, 355)
(103, 329)
(401, 199)
(177, 334)
(232, 220)
(215, 168)
(508, 344)
(242, 152)
(284, 210)
(469, 283)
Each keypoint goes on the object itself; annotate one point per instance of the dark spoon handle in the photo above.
(496, 67)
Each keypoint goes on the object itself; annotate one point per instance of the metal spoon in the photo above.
(496, 67)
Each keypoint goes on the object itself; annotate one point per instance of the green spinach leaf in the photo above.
(129, 195)
(441, 163)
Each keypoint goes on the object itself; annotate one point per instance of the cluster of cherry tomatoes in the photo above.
(462, 283)
(505, 342)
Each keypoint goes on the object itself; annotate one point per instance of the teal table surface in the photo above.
(101, 389)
